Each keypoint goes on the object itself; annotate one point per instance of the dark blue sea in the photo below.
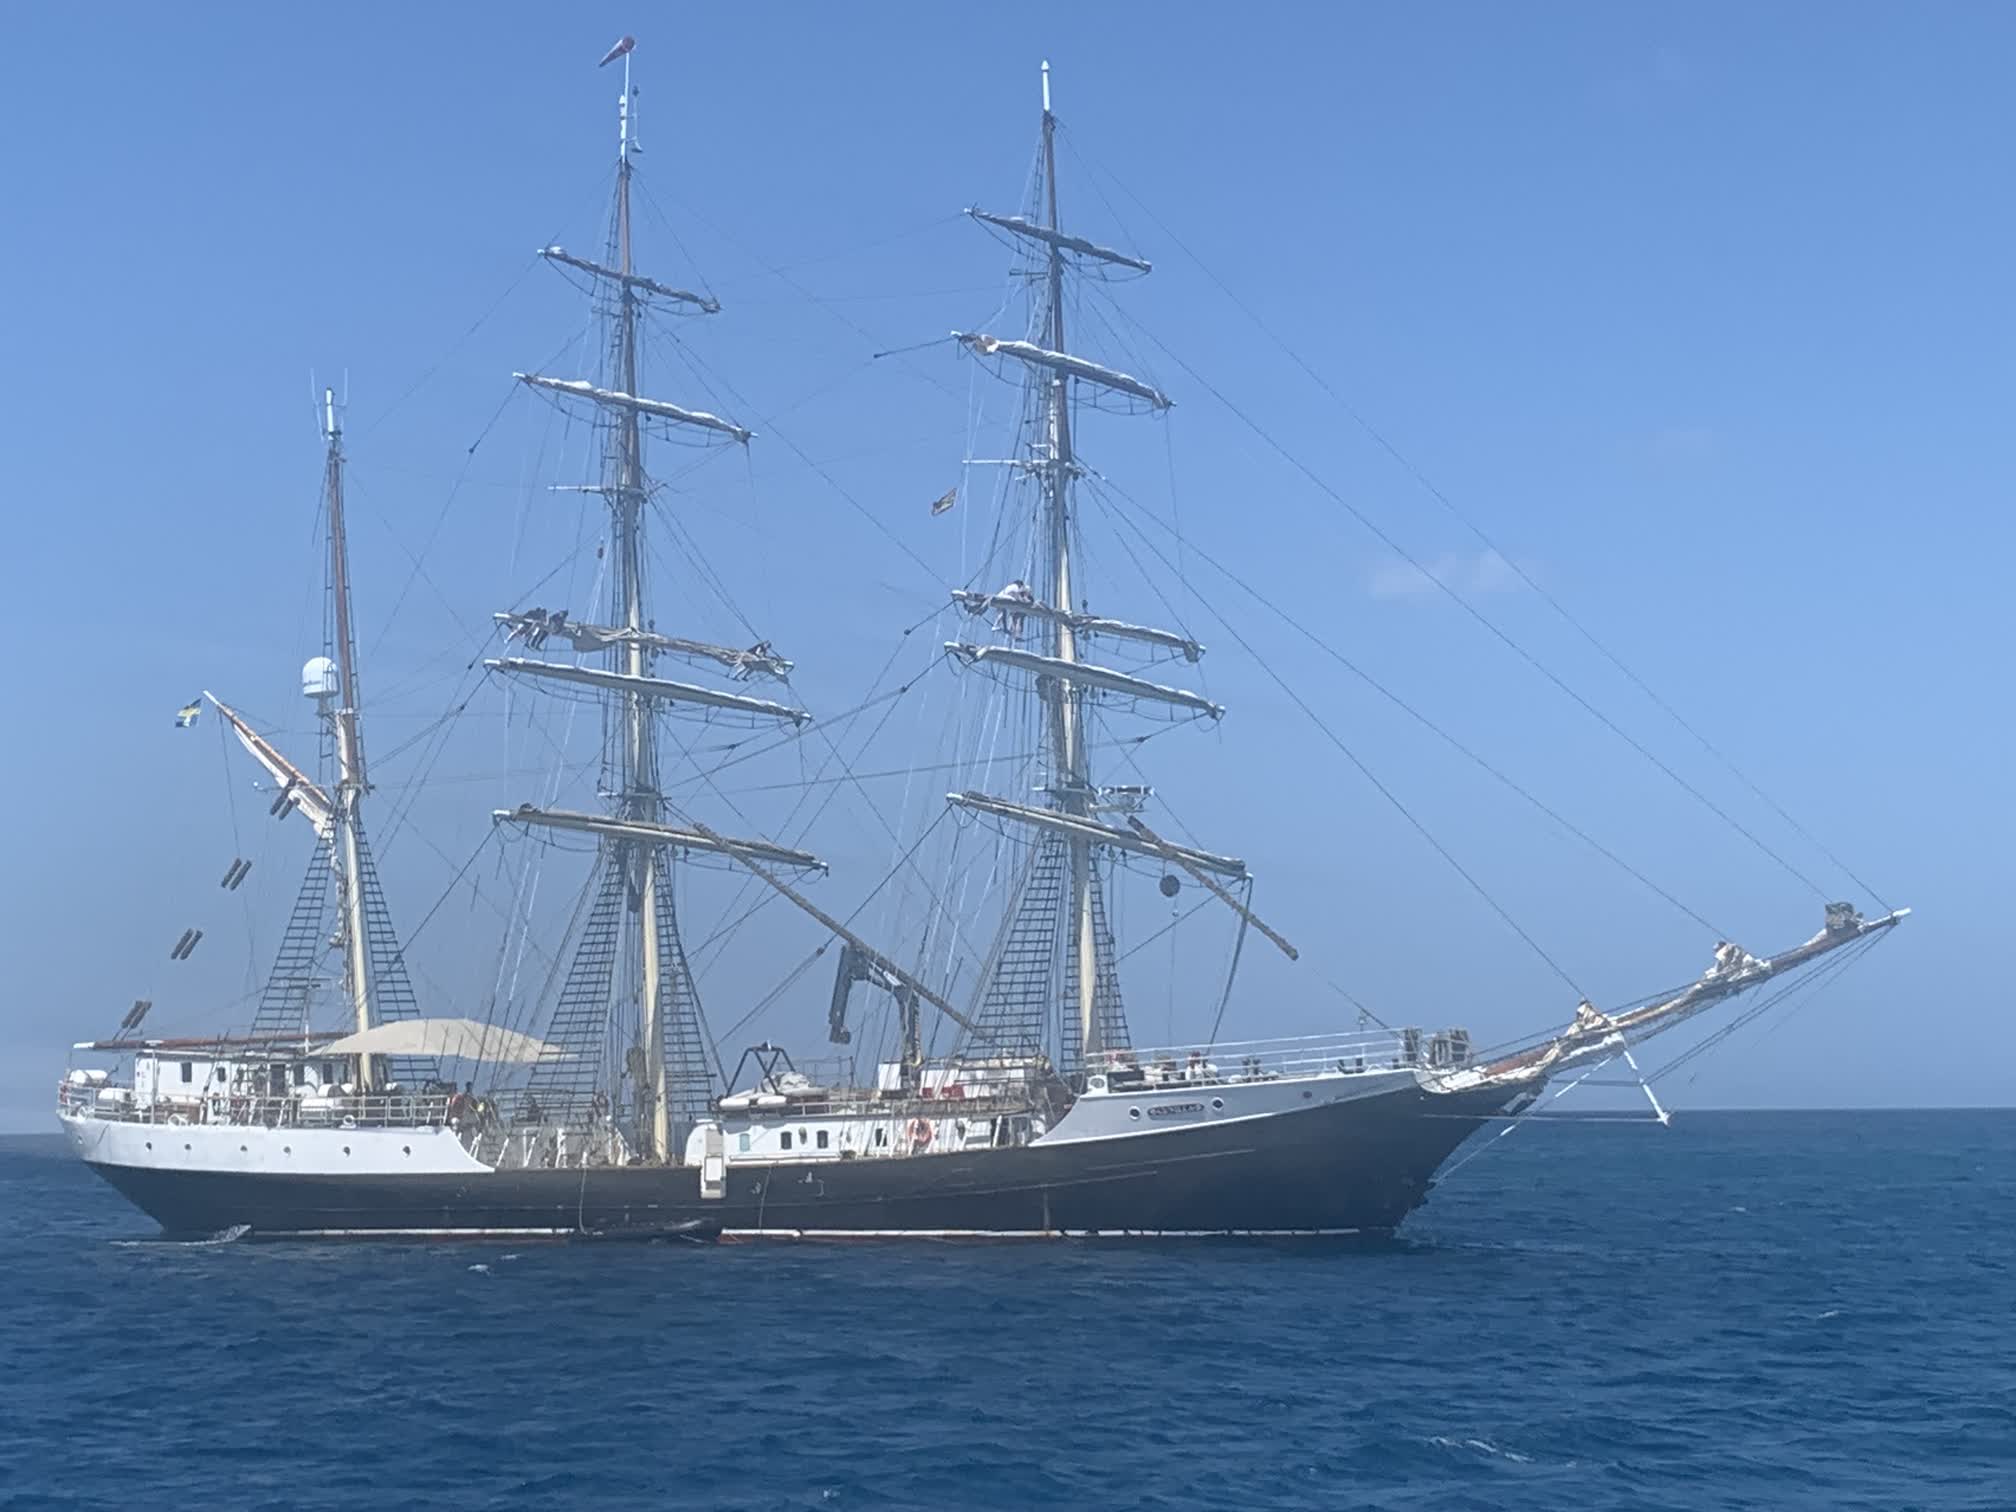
(1782, 1310)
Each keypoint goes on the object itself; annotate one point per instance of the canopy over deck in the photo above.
(452, 1038)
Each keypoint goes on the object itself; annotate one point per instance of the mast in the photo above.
(1053, 968)
(350, 784)
(628, 955)
(637, 788)
(1068, 766)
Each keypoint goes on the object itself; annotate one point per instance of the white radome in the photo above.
(318, 678)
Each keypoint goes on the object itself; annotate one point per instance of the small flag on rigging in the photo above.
(945, 501)
(186, 715)
(617, 51)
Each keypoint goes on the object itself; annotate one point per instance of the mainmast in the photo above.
(350, 783)
(630, 940)
(1068, 763)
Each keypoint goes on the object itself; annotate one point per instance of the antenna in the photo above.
(1046, 86)
(330, 428)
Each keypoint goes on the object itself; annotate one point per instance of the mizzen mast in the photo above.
(350, 783)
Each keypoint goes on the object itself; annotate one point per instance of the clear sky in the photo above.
(1702, 315)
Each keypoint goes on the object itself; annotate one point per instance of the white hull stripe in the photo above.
(740, 1235)
(823, 1234)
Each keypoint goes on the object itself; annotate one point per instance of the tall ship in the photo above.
(1017, 1105)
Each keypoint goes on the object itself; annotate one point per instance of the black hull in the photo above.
(1349, 1167)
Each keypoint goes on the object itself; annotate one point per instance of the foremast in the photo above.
(1072, 830)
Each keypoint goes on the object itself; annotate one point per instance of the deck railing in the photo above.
(378, 1110)
(1230, 1061)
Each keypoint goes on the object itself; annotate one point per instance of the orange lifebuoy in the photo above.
(920, 1133)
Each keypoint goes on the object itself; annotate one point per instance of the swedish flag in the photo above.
(186, 715)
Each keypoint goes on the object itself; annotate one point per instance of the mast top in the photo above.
(332, 428)
(1046, 86)
(624, 137)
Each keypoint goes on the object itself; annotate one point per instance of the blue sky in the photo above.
(1702, 316)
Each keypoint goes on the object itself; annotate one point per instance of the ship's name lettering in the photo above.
(1174, 1110)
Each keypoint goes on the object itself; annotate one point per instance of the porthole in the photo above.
(286, 1149)
(1217, 1105)
(1133, 1112)
(241, 1149)
(407, 1148)
(1307, 1095)
(346, 1148)
(150, 1144)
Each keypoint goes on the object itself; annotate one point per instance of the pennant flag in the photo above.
(617, 51)
(186, 715)
(945, 501)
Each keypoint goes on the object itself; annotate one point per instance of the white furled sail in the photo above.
(1062, 362)
(297, 787)
(1078, 827)
(1085, 674)
(659, 834)
(1021, 225)
(661, 688)
(636, 282)
(1085, 624)
(537, 626)
(616, 400)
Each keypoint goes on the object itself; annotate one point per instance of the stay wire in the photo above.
(1484, 539)
(1401, 808)
(1408, 709)
(1491, 625)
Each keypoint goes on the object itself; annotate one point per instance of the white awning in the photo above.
(452, 1038)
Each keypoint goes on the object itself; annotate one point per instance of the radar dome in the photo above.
(318, 678)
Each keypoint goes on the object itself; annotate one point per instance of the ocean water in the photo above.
(1744, 1310)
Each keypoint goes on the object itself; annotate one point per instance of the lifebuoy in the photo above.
(920, 1133)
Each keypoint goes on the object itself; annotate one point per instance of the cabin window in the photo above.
(300, 1076)
(742, 1143)
(784, 1140)
(822, 1139)
(188, 1071)
(881, 1136)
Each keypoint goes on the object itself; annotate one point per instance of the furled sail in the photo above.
(613, 399)
(1089, 624)
(648, 687)
(659, 834)
(1086, 674)
(1062, 362)
(1063, 240)
(1099, 834)
(635, 281)
(537, 626)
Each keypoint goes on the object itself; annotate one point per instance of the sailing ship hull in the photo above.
(1352, 1167)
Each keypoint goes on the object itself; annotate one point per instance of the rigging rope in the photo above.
(1400, 703)
(1504, 557)
(1491, 545)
